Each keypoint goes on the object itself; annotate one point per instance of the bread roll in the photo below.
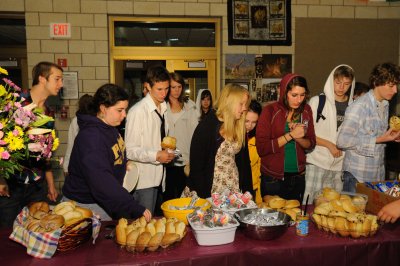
(136, 223)
(169, 239)
(141, 229)
(267, 198)
(277, 203)
(151, 229)
(142, 221)
(366, 227)
(296, 210)
(323, 208)
(142, 241)
(324, 222)
(64, 210)
(33, 225)
(330, 194)
(70, 204)
(155, 241)
(344, 197)
(160, 226)
(170, 228)
(291, 213)
(320, 199)
(168, 142)
(38, 206)
(317, 219)
(348, 206)
(336, 205)
(337, 214)
(85, 212)
(374, 223)
(180, 228)
(120, 231)
(72, 215)
(342, 226)
(39, 214)
(292, 204)
(331, 224)
(52, 222)
(353, 230)
(131, 240)
(129, 229)
(394, 123)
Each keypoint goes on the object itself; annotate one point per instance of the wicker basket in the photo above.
(75, 235)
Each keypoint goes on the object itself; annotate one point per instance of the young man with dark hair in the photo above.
(365, 130)
(29, 185)
(145, 127)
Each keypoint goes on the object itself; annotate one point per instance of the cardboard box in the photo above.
(376, 199)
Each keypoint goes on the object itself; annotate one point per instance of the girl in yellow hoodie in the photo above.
(255, 161)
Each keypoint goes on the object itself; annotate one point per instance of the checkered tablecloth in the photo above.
(42, 245)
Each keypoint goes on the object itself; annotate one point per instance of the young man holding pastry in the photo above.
(145, 128)
(364, 131)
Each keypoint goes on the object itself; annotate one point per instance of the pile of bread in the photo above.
(140, 235)
(42, 220)
(290, 207)
(343, 214)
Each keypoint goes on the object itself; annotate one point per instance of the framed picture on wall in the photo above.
(265, 91)
(258, 22)
(239, 66)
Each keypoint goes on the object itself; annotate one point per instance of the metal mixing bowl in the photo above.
(263, 232)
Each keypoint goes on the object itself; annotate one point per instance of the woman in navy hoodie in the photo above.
(98, 160)
(285, 131)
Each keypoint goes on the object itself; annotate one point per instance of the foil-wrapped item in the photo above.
(263, 219)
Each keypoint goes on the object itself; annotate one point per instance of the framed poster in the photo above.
(70, 89)
(259, 22)
(265, 91)
(276, 65)
(239, 66)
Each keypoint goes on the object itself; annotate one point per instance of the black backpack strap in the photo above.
(321, 104)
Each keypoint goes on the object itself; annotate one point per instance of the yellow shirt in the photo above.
(255, 163)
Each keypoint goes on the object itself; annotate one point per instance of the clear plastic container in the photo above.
(359, 200)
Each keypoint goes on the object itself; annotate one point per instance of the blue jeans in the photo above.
(147, 197)
(349, 182)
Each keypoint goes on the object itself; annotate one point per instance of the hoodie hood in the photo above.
(86, 121)
(198, 101)
(329, 87)
(284, 82)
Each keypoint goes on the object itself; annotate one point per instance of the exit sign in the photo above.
(60, 30)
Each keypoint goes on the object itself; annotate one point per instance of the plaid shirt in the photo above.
(364, 158)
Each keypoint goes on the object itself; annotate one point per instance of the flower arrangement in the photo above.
(22, 135)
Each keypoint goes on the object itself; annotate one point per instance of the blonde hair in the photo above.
(228, 101)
